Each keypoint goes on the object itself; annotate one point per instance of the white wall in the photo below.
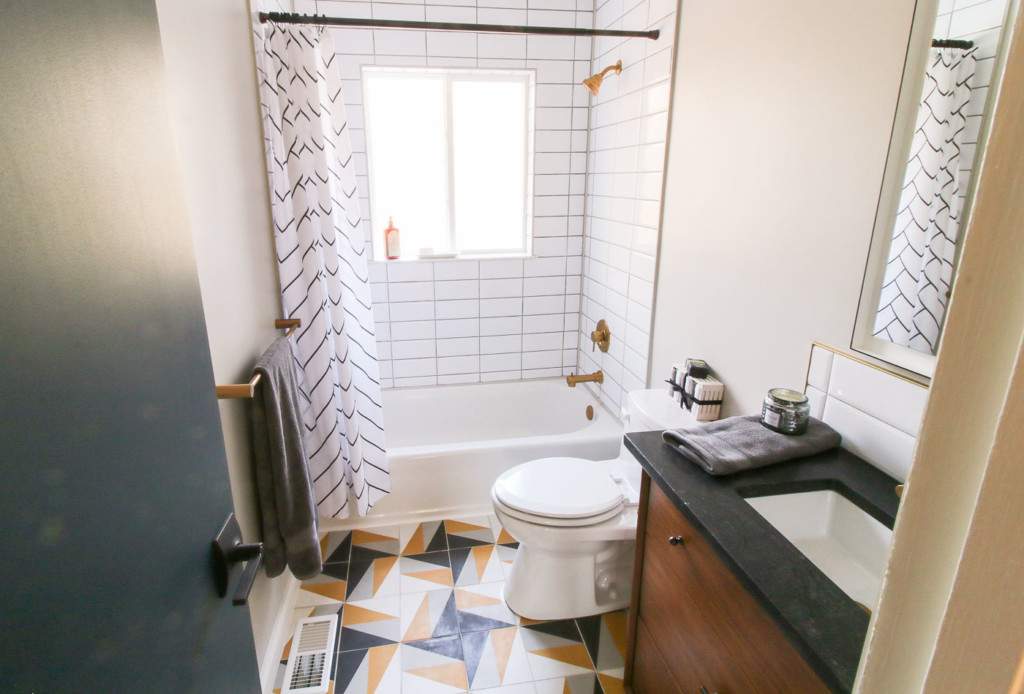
(949, 616)
(464, 321)
(781, 120)
(211, 72)
(626, 162)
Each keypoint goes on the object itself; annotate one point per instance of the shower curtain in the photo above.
(919, 273)
(322, 266)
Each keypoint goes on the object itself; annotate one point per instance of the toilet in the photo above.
(575, 521)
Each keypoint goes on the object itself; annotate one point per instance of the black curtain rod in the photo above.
(952, 43)
(323, 20)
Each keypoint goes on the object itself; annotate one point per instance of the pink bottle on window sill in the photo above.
(391, 241)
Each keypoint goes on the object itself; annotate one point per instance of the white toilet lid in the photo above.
(559, 488)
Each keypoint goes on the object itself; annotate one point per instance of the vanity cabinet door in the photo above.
(686, 639)
(708, 630)
(650, 672)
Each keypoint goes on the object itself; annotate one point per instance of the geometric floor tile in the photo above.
(469, 533)
(482, 607)
(502, 536)
(335, 547)
(507, 555)
(555, 649)
(329, 587)
(433, 666)
(421, 611)
(368, 671)
(367, 623)
(524, 688)
(473, 565)
(373, 578)
(376, 542)
(420, 538)
(611, 684)
(494, 658)
(605, 638)
(422, 572)
(428, 615)
(586, 683)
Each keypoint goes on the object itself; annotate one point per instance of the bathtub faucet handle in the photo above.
(601, 337)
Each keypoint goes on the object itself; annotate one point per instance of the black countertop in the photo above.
(822, 622)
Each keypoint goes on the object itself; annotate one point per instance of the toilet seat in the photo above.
(557, 523)
(569, 491)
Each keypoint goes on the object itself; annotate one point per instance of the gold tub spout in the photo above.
(596, 377)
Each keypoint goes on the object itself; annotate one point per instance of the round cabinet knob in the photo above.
(675, 540)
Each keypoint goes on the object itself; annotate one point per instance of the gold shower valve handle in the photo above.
(601, 337)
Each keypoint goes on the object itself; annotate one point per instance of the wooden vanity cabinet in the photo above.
(693, 627)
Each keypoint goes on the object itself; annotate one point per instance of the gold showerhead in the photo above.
(593, 83)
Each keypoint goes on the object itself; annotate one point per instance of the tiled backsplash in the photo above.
(878, 413)
(629, 120)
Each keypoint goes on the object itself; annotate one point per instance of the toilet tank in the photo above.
(647, 410)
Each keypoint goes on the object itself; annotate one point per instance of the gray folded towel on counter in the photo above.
(287, 506)
(742, 443)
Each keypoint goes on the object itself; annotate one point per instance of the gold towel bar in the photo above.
(247, 390)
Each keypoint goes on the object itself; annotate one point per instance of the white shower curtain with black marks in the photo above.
(322, 264)
(919, 273)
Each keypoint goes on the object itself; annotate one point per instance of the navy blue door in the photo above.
(113, 477)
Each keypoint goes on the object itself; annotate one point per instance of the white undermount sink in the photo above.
(841, 539)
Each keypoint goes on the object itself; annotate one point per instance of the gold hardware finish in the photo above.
(593, 83)
(899, 490)
(601, 337)
(248, 390)
(590, 412)
(596, 377)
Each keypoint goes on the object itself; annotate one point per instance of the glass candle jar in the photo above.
(785, 411)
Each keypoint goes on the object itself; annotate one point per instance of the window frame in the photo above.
(449, 75)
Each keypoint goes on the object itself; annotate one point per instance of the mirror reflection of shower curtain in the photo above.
(919, 272)
(322, 264)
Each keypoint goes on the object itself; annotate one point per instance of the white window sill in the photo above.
(487, 256)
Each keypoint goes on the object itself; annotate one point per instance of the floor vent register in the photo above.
(309, 665)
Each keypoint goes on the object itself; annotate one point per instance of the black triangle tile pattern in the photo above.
(590, 630)
(562, 628)
(919, 270)
(322, 265)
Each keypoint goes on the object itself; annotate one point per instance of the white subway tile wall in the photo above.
(628, 124)
(461, 321)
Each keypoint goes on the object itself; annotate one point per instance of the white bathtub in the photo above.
(447, 444)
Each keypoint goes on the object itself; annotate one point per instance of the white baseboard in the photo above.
(377, 520)
(280, 634)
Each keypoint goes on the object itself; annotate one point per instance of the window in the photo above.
(450, 155)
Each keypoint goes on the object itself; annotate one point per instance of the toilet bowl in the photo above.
(575, 521)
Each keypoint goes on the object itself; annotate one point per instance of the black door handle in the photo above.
(227, 550)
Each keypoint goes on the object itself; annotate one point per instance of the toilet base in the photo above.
(563, 585)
